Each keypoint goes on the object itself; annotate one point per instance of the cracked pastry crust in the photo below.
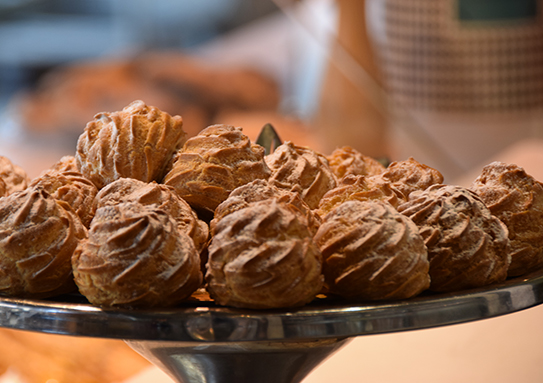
(72, 188)
(516, 198)
(360, 188)
(13, 176)
(159, 196)
(372, 252)
(213, 163)
(135, 257)
(137, 142)
(467, 246)
(410, 175)
(261, 190)
(293, 165)
(38, 236)
(263, 257)
(348, 161)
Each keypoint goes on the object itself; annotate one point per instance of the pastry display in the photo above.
(38, 235)
(262, 257)
(372, 252)
(359, 188)
(159, 196)
(140, 214)
(13, 176)
(261, 190)
(467, 246)
(293, 165)
(516, 198)
(213, 163)
(135, 257)
(410, 175)
(137, 142)
(72, 188)
(348, 161)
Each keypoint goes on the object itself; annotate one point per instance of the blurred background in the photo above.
(456, 84)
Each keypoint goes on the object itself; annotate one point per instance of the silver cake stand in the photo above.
(201, 342)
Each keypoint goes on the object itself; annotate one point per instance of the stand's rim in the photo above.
(206, 322)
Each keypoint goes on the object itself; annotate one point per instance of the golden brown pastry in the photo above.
(359, 188)
(14, 177)
(348, 161)
(260, 190)
(137, 142)
(213, 163)
(3, 188)
(467, 246)
(516, 198)
(410, 175)
(71, 187)
(136, 257)
(65, 164)
(293, 165)
(159, 196)
(262, 257)
(372, 252)
(38, 236)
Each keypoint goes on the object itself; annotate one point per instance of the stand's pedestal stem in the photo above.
(243, 362)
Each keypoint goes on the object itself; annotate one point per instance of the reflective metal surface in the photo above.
(205, 322)
(262, 362)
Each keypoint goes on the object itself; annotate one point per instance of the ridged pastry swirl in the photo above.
(516, 198)
(467, 246)
(359, 188)
(137, 142)
(213, 163)
(136, 257)
(293, 165)
(14, 177)
(410, 175)
(348, 161)
(38, 236)
(263, 256)
(159, 196)
(71, 187)
(372, 252)
(261, 190)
